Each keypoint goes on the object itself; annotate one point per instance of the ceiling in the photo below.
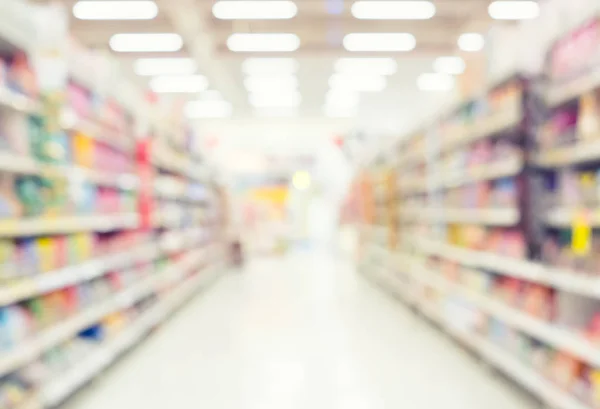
(320, 26)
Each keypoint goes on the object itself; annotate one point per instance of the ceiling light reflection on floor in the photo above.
(254, 10)
(393, 10)
(263, 42)
(380, 42)
(112, 10)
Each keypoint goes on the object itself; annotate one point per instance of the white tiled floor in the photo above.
(300, 332)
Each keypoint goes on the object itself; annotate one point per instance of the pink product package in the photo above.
(108, 200)
(79, 101)
(111, 159)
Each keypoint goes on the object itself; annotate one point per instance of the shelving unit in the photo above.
(482, 206)
(99, 244)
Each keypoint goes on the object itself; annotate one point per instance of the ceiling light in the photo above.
(301, 180)
(258, 84)
(254, 10)
(269, 66)
(363, 83)
(285, 99)
(336, 112)
(113, 10)
(179, 84)
(471, 42)
(164, 66)
(263, 42)
(449, 65)
(208, 109)
(211, 95)
(379, 42)
(146, 42)
(381, 66)
(342, 98)
(514, 10)
(278, 112)
(435, 82)
(393, 10)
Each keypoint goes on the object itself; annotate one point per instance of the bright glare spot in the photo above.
(146, 42)
(263, 42)
(275, 99)
(514, 10)
(164, 66)
(254, 10)
(269, 66)
(362, 83)
(301, 180)
(208, 109)
(379, 66)
(263, 84)
(449, 65)
(179, 84)
(393, 10)
(435, 82)
(471, 42)
(113, 10)
(379, 42)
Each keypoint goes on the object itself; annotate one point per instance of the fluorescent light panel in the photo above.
(277, 112)
(279, 99)
(258, 84)
(514, 10)
(184, 84)
(449, 65)
(471, 42)
(393, 10)
(263, 42)
(115, 10)
(146, 42)
(164, 66)
(435, 82)
(362, 83)
(389, 42)
(269, 66)
(208, 109)
(254, 10)
(342, 98)
(376, 65)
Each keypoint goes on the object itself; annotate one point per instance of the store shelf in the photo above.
(568, 155)
(58, 389)
(66, 224)
(18, 102)
(562, 93)
(484, 128)
(488, 217)
(564, 217)
(15, 163)
(525, 376)
(495, 170)
(99, 133)
(29, 350)
(561, 279)
(562, 339)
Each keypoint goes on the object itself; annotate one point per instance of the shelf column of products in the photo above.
(81, 279)
(499, 227)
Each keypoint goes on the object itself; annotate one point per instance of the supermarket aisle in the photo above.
(297, 332)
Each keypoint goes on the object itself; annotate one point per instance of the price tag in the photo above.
(581, 233)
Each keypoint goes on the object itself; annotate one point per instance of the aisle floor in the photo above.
(298, 332)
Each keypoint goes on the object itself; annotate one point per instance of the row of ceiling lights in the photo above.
(174, 75)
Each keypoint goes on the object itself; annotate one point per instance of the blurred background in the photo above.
(447, 150)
